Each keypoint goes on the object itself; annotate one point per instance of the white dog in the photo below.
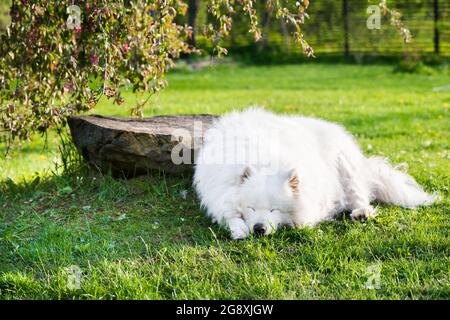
(257, 171)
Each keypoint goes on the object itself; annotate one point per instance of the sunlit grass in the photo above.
(141, 239)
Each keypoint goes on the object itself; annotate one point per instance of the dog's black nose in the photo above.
(259, 229)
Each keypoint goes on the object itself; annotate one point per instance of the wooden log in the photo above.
(130, 147)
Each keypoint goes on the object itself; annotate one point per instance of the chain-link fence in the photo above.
(340, 27)
(337, 27)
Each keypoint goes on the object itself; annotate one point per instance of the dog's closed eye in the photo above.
(275, 210)
(251, 209)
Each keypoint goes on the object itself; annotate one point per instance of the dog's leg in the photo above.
(357, 194)
(224, 211)
(238, 228)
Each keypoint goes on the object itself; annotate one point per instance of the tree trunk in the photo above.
(345, 19)
(129, 147)
(437, 46)
(193, 6)
(265, 24)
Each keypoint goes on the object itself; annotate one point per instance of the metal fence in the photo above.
(340, 27)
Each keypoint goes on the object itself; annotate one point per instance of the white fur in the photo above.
(332, 172)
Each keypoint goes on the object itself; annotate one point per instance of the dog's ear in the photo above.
(245, 175)
(293, 181)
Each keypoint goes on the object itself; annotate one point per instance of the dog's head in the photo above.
(267, 202)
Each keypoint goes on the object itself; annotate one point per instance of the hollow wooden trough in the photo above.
(130, 147)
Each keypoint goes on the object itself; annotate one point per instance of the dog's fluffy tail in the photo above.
(391, 185)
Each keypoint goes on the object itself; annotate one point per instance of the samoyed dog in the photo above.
(257, 171)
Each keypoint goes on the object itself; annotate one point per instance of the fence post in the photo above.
(437, 47)
(346, 27)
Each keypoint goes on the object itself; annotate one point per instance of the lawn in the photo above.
(146, 239)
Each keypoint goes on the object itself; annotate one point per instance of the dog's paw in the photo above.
(238, 234)
(238, 229)
(362, 214)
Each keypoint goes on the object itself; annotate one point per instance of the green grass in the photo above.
(140, 239)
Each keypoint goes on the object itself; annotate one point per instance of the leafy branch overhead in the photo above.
(53, 66)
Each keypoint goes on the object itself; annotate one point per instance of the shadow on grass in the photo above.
(83, 216)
